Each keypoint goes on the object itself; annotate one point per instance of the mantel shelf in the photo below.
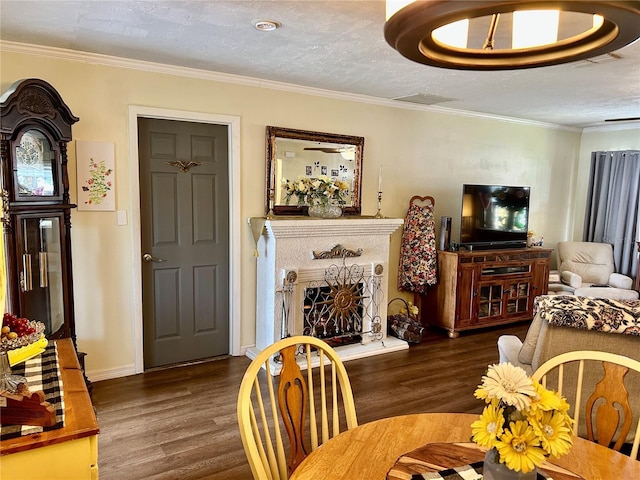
(320, 227)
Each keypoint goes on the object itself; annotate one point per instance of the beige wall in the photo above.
(422, 153)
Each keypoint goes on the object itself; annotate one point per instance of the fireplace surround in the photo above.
(325, 277)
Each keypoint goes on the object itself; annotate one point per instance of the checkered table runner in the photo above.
(42, 373)
(472, 471)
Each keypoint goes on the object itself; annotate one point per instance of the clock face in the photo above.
(35, 162)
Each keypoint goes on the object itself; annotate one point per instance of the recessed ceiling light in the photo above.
(266, 25)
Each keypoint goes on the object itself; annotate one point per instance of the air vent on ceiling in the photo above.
(423, 99)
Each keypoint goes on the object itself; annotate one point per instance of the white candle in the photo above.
(380, 179)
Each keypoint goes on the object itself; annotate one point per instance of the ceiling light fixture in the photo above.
(507, 35)
(266, 25)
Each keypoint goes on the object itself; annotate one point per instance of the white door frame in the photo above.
(233, 124)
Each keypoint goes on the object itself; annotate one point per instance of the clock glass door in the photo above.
(40, 266)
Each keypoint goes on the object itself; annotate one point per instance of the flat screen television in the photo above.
(494, 216)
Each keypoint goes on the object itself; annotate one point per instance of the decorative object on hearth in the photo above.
(338, 251)
(325, 211)
(270, 214)
(379, 212)
(405, 324)
(522, 424)
(418, 254)
(469, 35)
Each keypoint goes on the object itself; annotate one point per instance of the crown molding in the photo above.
(111, 61)
(613, 127)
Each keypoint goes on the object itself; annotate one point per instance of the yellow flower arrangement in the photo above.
(315, 191)
(523, 422)
(412, 312)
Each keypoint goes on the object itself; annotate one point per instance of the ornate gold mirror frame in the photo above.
(292, 154)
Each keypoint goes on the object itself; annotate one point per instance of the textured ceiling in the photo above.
(332, 45)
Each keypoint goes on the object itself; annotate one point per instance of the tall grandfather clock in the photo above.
(35, 127)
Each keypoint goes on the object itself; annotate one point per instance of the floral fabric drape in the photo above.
(418, 255)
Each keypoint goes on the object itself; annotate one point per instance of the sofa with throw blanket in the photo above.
(569, 323)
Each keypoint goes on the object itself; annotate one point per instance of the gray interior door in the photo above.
(184, 197)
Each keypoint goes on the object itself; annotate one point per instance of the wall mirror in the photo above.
(292, 154)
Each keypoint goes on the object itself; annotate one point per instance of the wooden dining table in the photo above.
(371, 450)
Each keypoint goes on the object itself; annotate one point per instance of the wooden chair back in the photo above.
(311, 407)
(606, 405)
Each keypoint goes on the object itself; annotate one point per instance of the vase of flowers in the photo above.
(522, 424)
(323, 196)
(324, 211)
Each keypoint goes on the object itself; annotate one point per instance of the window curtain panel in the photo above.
(613, 212)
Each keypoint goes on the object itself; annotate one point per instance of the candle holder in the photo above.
(270, 214)
(379, 212)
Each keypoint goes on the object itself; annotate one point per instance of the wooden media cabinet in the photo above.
(485, 288)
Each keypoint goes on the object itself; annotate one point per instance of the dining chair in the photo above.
(305, 406)
(603, 397)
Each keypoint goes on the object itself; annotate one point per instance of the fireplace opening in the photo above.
(335, 312)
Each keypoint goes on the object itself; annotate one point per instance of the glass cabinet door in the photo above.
(490, 301)
(35, 167)
(40, 267)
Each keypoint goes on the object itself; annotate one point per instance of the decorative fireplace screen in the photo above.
(343, 306)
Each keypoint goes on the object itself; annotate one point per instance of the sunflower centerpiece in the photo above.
(522, 424)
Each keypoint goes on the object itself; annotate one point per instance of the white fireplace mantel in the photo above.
(317, 227)
(287, 244)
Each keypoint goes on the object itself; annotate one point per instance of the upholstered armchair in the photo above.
(587, 269)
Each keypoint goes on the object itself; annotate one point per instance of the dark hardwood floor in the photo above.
(180, 423)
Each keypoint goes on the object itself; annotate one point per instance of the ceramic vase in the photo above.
(325, 211)
(494, 470)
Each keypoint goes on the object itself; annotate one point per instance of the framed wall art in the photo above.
(96, 176)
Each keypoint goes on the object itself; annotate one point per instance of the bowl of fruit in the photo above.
(20, 340)
(19, 332)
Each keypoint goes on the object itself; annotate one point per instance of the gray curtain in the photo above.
(613, 211)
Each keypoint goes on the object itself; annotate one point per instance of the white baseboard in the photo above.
(126, 370)
(108, 374)
(244, 348)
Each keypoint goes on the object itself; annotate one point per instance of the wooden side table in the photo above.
(65, 453)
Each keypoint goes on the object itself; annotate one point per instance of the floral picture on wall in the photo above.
(96, 176)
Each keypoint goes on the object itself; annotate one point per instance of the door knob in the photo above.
(147, 257)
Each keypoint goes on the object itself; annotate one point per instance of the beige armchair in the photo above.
(587, 269)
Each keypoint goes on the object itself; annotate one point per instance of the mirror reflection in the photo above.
(293, 155)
